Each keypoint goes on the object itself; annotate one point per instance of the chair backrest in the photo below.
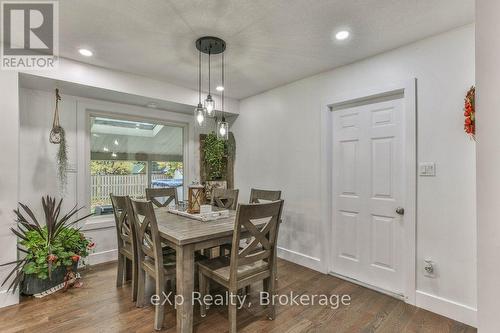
(147, 237)
(256, 196)
(262, 240)
(124, 227)
(224, 198)
(169, 193)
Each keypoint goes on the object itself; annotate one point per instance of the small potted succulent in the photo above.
(49, 253)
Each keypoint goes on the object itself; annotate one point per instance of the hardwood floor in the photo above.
(101, 307)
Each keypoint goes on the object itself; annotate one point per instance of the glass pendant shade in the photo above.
(199, 115)
(223, 129)
(210, 106)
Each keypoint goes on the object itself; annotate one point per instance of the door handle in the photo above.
(400, 211)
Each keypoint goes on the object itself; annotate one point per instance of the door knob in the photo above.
(400, 211)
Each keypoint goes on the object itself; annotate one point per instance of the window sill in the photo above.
(99, 222)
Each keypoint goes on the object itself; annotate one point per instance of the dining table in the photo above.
(186, 236)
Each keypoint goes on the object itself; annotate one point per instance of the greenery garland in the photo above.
(62, 161)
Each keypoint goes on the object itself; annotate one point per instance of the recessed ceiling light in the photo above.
(105, 149)
(86, 52)
(113, 155)
(152, 105)
(342, 35)
(116, 142)
(219, 88)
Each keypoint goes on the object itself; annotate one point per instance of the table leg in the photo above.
(185, 287)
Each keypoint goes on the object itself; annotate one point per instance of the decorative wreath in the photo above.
(470, 113)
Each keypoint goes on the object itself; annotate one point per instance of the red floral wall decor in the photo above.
(470, 113)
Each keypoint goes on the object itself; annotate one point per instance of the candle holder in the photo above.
(196, 197)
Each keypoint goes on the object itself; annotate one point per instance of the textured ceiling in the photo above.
(270, 42)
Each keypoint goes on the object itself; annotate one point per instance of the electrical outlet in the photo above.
(429, 268)
(427, 169)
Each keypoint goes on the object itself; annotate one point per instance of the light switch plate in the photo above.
(427, 169)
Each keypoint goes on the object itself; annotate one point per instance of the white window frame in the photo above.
(88, 108)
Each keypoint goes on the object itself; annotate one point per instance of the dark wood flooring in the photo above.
(101, 307)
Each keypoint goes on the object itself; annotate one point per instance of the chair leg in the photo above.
(232, 313)
(134, 280)
(203, 291)
(121, 268)
(141, 286)
(271, 308)
(159, 308)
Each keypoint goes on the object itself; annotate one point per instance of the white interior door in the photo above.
(368, 189)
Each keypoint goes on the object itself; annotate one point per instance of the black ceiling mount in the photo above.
(210, 45)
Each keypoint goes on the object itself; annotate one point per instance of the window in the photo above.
(126, 157)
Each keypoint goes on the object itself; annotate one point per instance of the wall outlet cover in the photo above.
(427, 169)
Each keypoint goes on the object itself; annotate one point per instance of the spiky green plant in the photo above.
(45, 247)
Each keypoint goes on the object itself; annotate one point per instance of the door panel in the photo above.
(367, 188)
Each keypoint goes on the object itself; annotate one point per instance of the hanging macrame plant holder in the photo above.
(56, 131)
(57, 136)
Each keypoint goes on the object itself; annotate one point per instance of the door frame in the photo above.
(408, 92)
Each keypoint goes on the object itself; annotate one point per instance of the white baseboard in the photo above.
(301, 259)
(8, 298)
(447, 308)
(102, 257)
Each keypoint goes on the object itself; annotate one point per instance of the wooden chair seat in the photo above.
(219, 269)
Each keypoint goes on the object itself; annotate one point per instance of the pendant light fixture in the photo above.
(211, 46)
(199, 111)
(223, 125)
(209, 102)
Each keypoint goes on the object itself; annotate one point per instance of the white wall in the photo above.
(9, 127)
(279, 146)
(488, 163)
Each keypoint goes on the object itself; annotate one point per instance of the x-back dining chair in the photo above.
(152, 261)
(257, 196)
(225, 198)
(252, 263)
(127, 251)
(168, 193)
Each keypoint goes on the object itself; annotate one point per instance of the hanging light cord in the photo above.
(199, 77)
(209, 70)
(223, 85)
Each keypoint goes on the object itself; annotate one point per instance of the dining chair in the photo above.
(257, 196)
(169, 194)
(152, 261)
(127, 250)
(252, 263)
(225, 198)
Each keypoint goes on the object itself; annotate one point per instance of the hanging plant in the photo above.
(214, 150)
(470, 113)
(58, 136)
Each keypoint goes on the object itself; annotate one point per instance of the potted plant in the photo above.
(51, 251)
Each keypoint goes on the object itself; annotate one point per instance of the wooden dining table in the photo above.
(186, 236)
